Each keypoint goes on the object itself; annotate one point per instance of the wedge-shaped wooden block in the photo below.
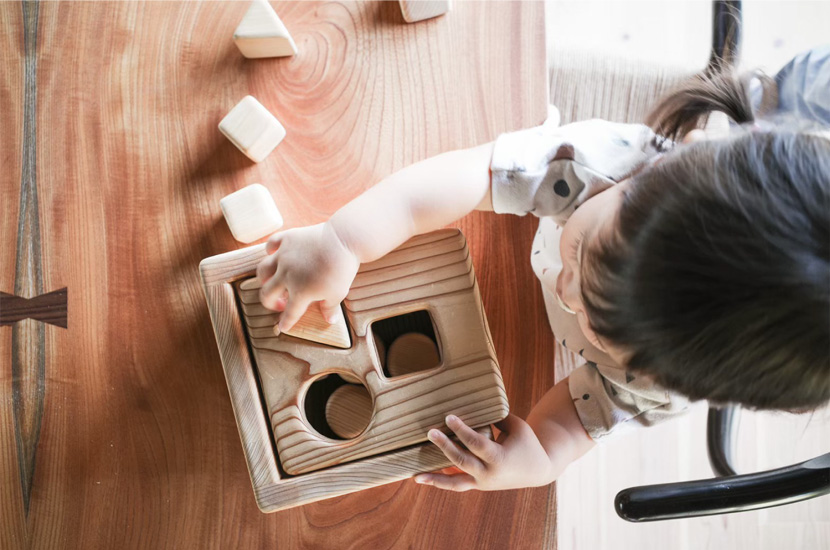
(254, 130)
(251, 213)
(418, 10)
(262, 34)
(311, 326)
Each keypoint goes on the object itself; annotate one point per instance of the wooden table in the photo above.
(117, 431)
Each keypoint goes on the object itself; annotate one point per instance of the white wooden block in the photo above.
(251, 213)
(418, 10)
(262, 34)
(252, 129)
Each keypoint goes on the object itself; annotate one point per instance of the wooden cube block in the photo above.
(418, 10)
(252, 129)
(262, 34)
(251, 213)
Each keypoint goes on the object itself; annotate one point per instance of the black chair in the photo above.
(729, 492)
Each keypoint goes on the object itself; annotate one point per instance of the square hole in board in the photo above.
(406, 343)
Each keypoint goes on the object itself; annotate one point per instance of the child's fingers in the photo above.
(465, 460)
(279, 302)
(331, 311)
(266, 268)
(272, 291)
(457, 482)
(294, 309)
(482, 447)
(274, 242)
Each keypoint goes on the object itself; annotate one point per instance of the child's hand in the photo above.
(305, 265)
(517, 459)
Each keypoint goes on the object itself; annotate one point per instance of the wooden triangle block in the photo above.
(312, 326)
(418, 10)
(262, 34)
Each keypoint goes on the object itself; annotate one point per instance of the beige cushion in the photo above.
(586, 85)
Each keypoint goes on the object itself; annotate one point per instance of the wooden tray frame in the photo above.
(273, 489)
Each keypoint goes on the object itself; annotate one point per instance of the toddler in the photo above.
(678, 268)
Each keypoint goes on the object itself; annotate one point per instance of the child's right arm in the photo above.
(319, 262)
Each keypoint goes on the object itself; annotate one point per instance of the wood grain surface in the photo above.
(137, 445)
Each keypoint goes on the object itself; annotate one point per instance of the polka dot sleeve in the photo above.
(610, 400)
(549, 171)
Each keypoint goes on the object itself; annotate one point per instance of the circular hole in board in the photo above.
(336, 408)
(349, 410)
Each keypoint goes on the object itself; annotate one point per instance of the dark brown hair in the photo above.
(716, 280)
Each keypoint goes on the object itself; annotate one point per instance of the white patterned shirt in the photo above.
(549, 171)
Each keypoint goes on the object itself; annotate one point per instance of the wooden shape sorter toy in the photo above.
(287, 391)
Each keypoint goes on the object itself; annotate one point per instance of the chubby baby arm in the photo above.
(528, 453)
(319, 262)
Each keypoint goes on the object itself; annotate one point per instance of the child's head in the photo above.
(713, 272)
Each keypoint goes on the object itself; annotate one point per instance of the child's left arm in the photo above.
(525, 454)
(319, 262)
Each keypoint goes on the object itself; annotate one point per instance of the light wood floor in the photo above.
(678, 33)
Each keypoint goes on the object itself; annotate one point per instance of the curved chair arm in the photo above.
(721, 438)
(725, 495)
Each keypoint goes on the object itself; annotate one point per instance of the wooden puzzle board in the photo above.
(274, 488)
(428, 273)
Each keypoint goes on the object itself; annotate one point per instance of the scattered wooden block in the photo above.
(251, 213)
(349, 410)
(254, 130)
(412, 352)
(262, 34)
(418, 10)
